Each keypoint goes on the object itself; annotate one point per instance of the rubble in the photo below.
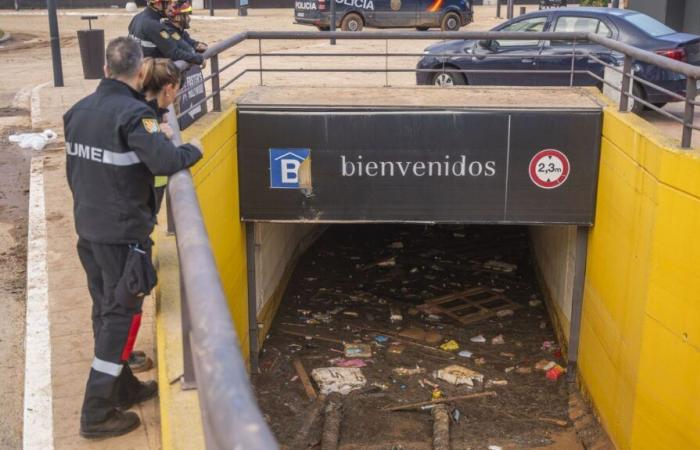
(457, 375)
(338, 379)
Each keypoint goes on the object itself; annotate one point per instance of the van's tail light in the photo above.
(675, 53)
(321, 5)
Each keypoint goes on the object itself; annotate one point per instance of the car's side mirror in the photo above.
(489, 44)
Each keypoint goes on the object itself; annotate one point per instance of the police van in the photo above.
(353, 15)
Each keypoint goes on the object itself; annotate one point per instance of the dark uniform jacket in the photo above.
(181, 37)
(155, 39)
(114, 148)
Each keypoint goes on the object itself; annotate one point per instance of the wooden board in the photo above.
(469, 306)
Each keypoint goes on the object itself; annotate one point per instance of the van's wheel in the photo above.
(448, 79)
(422, 28)
(351, 22)
(451, 22)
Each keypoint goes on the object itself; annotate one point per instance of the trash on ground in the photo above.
(395, 314)
(509, 369)
(507, 355)
(457, 375)
(397, 245)
(381, 339)
(431, 337)
(496, 382)
(436, 394)
(351, 314)
(548, 346)
(353, 350)
(456, 414)
(498, 340)
(544, 364)
(505, 313)
(389, 262)
(450, 346)
(555, 372)
(407, 371)
(35, 141)
(495, 447)
(430, 383)
(535, 303)
(500, 266)
(478, 339)
(342, 362)
(338, 379)
(465, 354)
(396, 348)
(480, 361)
(523, 370)
(440, 400)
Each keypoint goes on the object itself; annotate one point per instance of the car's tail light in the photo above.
(674, 53)
(321, 5)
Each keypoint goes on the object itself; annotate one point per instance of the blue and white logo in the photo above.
(284, 167)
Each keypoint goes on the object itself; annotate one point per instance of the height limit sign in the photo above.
(549, 169)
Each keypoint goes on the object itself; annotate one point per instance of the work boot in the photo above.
(139, 362)
(118, 423)
(145, 391)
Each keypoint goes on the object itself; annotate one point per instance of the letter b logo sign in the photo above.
(284, 167)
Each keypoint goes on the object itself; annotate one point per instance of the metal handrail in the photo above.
(230, 415)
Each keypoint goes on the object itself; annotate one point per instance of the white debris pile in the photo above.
(36, 141)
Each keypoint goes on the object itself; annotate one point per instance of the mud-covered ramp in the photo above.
(344, 289)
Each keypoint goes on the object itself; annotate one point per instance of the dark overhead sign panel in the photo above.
(511, 167)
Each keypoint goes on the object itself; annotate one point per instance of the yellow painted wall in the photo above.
(639, 354)
(216, 183)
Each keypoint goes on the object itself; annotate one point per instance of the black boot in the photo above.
(118, 423)
(145, 391)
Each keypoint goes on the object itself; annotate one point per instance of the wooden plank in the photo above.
(439, 401)
(304, 377)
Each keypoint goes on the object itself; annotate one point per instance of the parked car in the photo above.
(627, 26)
(353, 15)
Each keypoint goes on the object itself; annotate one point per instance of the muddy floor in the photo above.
(345, 290)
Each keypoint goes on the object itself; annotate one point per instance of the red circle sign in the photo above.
(549, 169)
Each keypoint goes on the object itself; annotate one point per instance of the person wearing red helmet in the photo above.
(156, 41)
(178, 22)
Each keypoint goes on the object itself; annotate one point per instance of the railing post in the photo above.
(332, 24)
(626, 83)
(260, 59)
(691, 91)
(573, 64)
(386, 63)
(216, 90)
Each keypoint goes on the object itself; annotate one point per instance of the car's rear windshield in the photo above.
(648, 24)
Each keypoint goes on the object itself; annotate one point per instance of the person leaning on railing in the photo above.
(161, 85)
(114, 147)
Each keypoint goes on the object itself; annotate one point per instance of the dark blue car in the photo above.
(492, 57)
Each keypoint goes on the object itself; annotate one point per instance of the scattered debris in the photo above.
(436, 394)
(342, 362)
(338, 379)
(558, 422)
(389, 262)
(419, 334)
(381, 339)
(500, 266)
(544, 364)
(457, 375)
(351, 314)
(396, 348)
(310, 337)
(395, 315)
(535, 303)
(523, 370)
(465, 354)
(430, 383)
(405, 371)
(498, 340)
(496, 382)
(396, 245)
(450, 346)
(478, 339)
(555, 372)
(454, 398)
(472, 305)
(353, 350)
(480, 361)
(495, 447)
(507, 355)
(333, 413)
(304, 377)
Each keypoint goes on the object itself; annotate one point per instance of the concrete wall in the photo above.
(554, 250)
(639, 354)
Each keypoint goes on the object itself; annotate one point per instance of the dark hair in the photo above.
(159, 72)
(124, 57)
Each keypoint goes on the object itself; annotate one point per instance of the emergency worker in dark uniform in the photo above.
(178, 22)
(114, 148)
(147, 28)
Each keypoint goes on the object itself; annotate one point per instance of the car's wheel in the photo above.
(448, 79)
(351, 22)
(422, 28)
(451, 22)
(638, 92)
